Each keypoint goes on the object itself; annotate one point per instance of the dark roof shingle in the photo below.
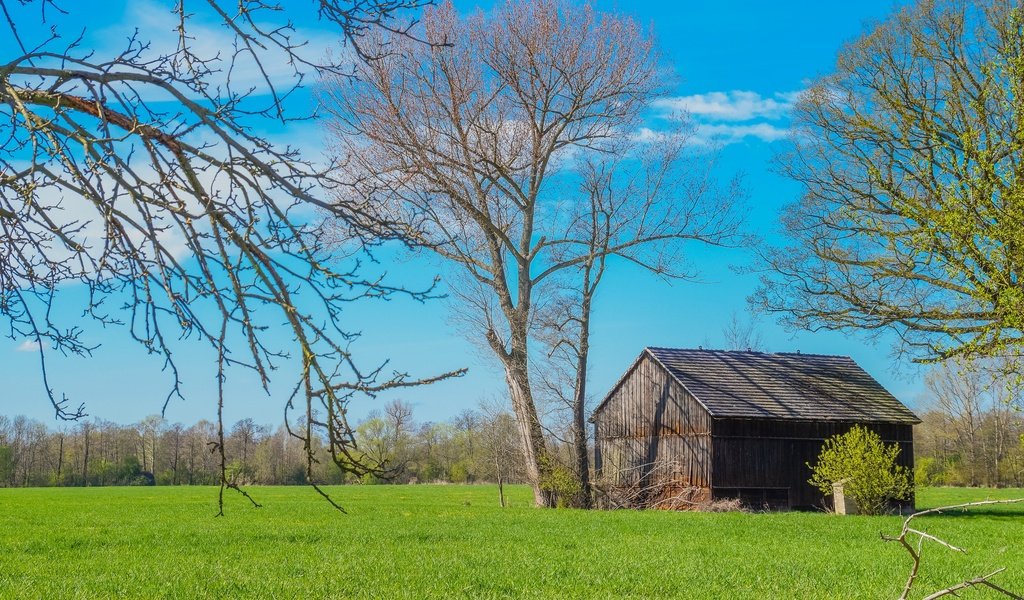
(782, 386)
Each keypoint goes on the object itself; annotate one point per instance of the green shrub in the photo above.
(926, 472)
(868, 468)
(459, 473)
(430, 472)
(559, 481)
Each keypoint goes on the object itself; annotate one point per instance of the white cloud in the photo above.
(648, 135)
(765, 132)
(735, 105)
(28, 346)
(724, 118)
(718, 133)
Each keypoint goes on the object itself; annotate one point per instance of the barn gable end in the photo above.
(649, 429)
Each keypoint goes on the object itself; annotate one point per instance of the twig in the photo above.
(983, 580)
(915, 552)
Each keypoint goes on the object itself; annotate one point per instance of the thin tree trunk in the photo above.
(177, 444)
(85, 462)
(143, 445)
(191, 459)
(579, 402)
(60, 461)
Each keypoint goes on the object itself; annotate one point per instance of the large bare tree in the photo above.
(468, 147)
(142, 169)
(911, 156)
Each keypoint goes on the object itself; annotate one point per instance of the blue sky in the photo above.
(737, 65)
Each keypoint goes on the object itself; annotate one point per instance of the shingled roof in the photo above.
(781, 386)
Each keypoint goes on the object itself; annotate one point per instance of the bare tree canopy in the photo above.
(142, 170)
(742, 335)
(640, 200)
(911, 155)
(498, 147)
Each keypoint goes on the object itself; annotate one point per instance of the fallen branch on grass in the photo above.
(914, 549)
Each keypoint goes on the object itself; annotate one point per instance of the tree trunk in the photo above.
(143, 446)
(177, 443)
(60, 462)
(191, 459)
(517, 376)
(530, 432)
(85, 461)
(581, 455)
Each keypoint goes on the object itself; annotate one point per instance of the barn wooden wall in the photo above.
(637, 438)
(750, 454)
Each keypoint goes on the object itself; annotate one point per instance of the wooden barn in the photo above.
(729, 424)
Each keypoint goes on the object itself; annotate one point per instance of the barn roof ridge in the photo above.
(775, 385)
(765, 352)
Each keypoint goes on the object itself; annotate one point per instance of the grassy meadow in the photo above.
(454, 541)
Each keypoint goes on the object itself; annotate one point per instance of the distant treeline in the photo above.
(972, 430)
(982, 449)
(477, 445)
(972, 434)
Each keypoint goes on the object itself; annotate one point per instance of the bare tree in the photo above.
(959, 393)
(501, 444)
(742, 335)
(173, 438)
(399, 416)
(911, 157)
(143, 173)
(384, 438)
(245, 435)
(642, 201)
(466, 149)
(149, 430)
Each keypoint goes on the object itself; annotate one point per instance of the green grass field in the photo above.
(454, 541)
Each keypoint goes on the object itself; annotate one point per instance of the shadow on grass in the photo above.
(1009, 511)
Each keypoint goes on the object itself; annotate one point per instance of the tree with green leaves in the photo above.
(911, 157)
(866, 466)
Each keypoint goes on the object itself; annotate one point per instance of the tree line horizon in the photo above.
(476, 445)
(971, 434)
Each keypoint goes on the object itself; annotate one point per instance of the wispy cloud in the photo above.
(28, 346)
(719, 133)
(728, 117)
(729, 133)
(736, 105)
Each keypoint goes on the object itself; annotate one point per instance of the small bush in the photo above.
(459, 473)
(927, 472)
(867, 465)
(560, 482)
